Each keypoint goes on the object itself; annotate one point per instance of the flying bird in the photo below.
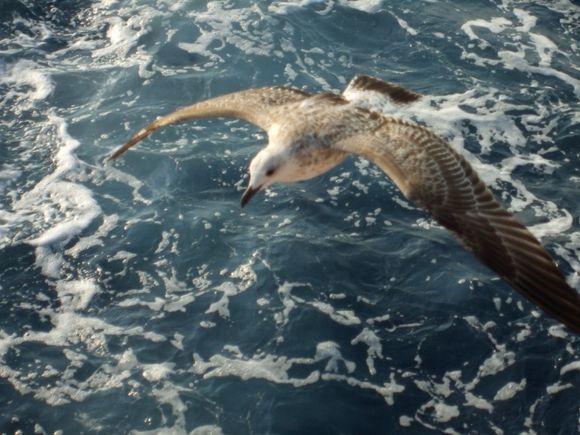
(308, 134)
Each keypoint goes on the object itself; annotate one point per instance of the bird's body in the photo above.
(310, 134)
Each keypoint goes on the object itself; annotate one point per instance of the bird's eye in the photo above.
(270, 172)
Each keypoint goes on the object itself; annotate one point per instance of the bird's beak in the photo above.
(248, 194)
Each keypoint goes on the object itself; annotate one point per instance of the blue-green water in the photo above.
(137, 296)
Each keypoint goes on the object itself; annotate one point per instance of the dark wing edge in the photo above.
(396, 93)
(429, 172)
(254, 105)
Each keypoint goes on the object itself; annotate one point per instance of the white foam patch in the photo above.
(520, 39)
(495, 25)
(157, 372)
(405, 421)
(26, 76)
(286, 7)
(558, 387)
(375, 348)
(228, 289)
(387, 389)
(207, 430)
(73, 201)
(275, 368)
(134, 183)
(509, 390)
(245, 276)
(72, 330)
(59, 208)
(126, 26)
(441, 412)
(269, 367)
(477, 402)
(370, 6)
(575, 365)
(571, 253)
(85, 243)
(406, 26)
(76, 295)
(497, 362)
(290, 302)
(452, 383)
(219, 25)
(343, 317)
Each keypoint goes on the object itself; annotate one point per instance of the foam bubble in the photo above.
(558, 387)
(443, 412)
(370, 6)
(207, 430)
(387, 389)
(286, 7)
(574, 365)
(375, 348)
(157, 372)
(406, 26)
(405, 421)
(495, 25)
(477, 402)
(77, 204)
(269, 367)
(557, 225)
(28, 75)
(509, 390)
(77, 294)
(331, 351)
(343, 317)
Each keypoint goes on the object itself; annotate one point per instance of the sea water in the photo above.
(137, 297)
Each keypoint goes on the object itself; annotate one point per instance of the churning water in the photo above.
(138, 297)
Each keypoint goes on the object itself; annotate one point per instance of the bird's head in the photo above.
(271, 165)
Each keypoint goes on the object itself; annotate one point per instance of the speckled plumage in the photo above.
(309, 134)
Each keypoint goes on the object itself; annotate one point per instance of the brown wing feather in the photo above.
(396, 93)
(431, 173)
(254, 105)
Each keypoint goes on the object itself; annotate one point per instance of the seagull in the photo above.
(309, 134)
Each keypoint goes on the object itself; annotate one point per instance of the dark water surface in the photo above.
(137, 296)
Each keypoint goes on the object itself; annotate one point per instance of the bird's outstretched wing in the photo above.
(254, 105)
(429, 172)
